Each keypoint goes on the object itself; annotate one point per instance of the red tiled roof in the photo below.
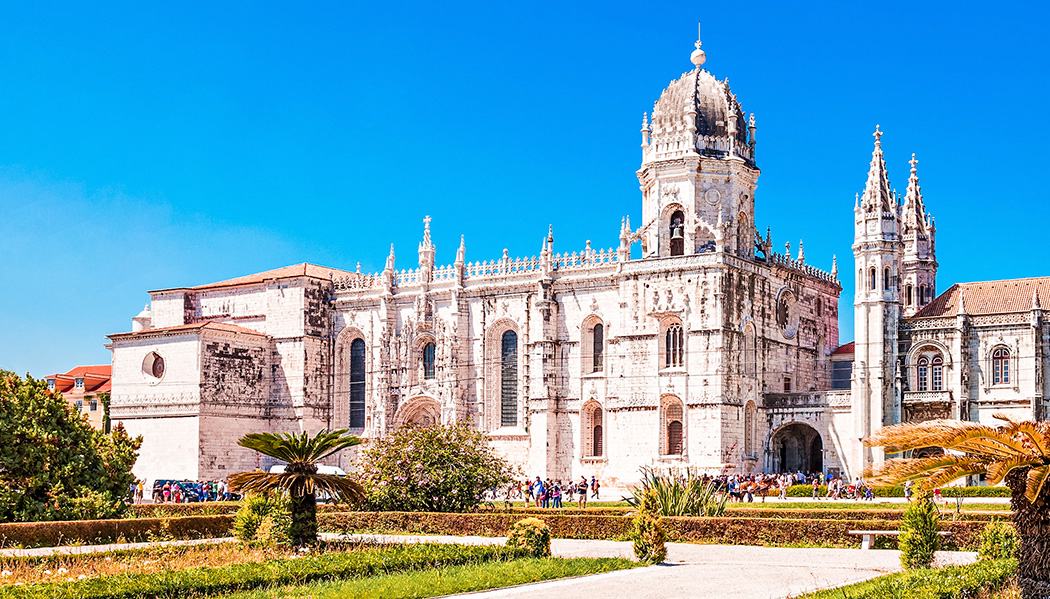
(988, 297)
(296, 270)
(206, 325)
(844, 349)
(96, 379)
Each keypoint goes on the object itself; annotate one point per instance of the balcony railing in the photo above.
(913, 397)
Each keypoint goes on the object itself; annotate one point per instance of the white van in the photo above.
(321, 469)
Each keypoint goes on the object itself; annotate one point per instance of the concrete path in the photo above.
(723, 571)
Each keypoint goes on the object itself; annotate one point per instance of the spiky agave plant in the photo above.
(1017, 452)
(300, 479)
(677, 493)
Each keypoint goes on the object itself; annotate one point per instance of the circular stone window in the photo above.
(787, 313)
(153, 366)
(712, 196)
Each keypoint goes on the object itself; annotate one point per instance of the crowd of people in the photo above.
(746, 487)
(184, 491)
(549, 493)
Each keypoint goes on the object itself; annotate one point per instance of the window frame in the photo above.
(1001, 366)
(508, 364)
(357, 390)
(428, 356)
(673, 341)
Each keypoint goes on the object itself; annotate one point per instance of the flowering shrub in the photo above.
(531, 534)
(433, 469)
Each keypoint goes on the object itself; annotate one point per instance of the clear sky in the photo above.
(144, 148)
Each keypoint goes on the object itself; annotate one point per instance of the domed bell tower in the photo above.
(698, 172)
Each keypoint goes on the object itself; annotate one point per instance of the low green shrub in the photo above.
(196, 582)
(951, 582)
(263, 514)
(52, 534)
(532, 535)
(725, 530)
(647, 532)
(898, 491)
(919, 539)
(998, 540)
(169, 510)
(676, 492)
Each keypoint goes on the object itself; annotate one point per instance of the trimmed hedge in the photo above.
(272, 573)
(950, 582)
(52, 534)
(173, 510)
(807, 491)
(730, 531)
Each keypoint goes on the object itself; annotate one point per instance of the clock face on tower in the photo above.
(712, 196)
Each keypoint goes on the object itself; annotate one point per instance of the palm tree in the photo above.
(300, 479)
(1017, 452)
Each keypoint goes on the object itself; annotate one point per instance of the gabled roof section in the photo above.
(847, 349)
(988, 297)
(296, 270)
(188, 328)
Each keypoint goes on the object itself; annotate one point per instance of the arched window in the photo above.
(1000, 366)
(597, 347)
(428, 361)
(672, 427)
(750, 411)
(923, 374)
(596, 432)
(938, 372)
(673, 351)
(357, 383)
(677, 232)
(750, 356)
(509, 379)
(886, 279)
(820, 307)
(907, 295)
(871, 279)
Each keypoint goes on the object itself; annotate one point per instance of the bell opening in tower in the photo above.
(677, 230)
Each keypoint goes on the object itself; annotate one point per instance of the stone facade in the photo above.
(710, 350)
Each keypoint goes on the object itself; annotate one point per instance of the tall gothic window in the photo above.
(1000, 366)
(938, 372)
(750, 355)
(871, 279)
(428, 361)
(596, 433)
(677, 231)
(597, 347)
(750, 412)
(673, 350)
(923, 374)
(907, 295)
(672, 427)
(509, 379)
(357, 383)
(886, 283)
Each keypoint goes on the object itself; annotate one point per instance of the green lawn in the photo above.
(951, 581)
(445, 581)
(863, 505)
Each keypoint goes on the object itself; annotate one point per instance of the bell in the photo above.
(676, 233)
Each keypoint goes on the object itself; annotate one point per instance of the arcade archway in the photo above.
(797, 447)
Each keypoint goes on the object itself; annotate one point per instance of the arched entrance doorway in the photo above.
(420, 411)
(797, 447)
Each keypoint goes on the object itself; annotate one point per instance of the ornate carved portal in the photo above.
(921, 412)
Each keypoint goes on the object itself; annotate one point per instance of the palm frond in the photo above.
(1037, 435)
(298, 484)
(289, 447)
(998, 470)
(942, 469)
(1036, 479)
(971, 437)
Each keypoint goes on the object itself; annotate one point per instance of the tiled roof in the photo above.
(96, 379)
(988, 297)
(296, 270)
(844, 349)
(207, 326)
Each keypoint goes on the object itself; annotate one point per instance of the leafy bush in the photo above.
(951, 582)
(532, 535)
(257, 510)
(898, 491)
(51, 534)
(647, 533)
(53, 465)
(678, 493)
(918, 539)
(197, 582)
(433, 469)
(998, 540)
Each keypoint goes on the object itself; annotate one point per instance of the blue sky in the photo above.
(144, 148)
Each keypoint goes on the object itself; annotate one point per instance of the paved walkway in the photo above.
(723, 571)
(84, 549)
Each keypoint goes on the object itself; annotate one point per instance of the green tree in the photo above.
(1017, 452)
(53, 465)
(647, 532)
(431, 469)
(919, 539)
(300, 480)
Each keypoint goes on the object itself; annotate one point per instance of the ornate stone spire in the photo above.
(801, 252)
(914, 211)
(787, 250)
(877, 195)
(645, 130)
(834, 267)
(698, 57)
(461, 253)
(1035, 299)
(426, 247)
(961, 311)
(390, 260)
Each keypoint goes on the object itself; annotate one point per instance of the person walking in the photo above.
(537, 489)
(595, 485)
(581, 493)
(816, 488)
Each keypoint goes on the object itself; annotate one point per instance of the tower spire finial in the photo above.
(698, 57)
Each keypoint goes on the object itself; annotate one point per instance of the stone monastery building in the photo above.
(710, 350)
